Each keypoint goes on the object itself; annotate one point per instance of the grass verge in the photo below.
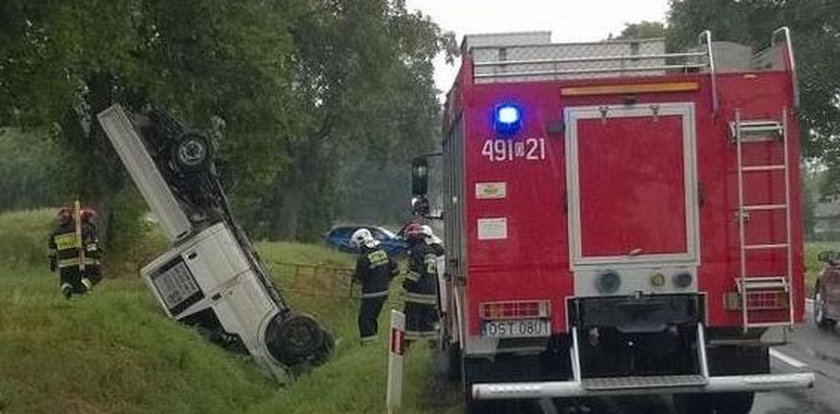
(115, 352)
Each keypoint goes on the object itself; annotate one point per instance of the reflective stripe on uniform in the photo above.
(374, 294)
(86, 282)
(421, 298)
(66, 241)
(368, 338)
(413, 276)
(92, 247)
(74, 261)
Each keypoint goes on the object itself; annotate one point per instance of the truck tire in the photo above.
(734, 402)
(693, 404)
(721, 403)
(820, 318)
(192, 153)
(448, 361)
(294, 339)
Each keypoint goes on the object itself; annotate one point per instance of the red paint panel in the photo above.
(632, 185)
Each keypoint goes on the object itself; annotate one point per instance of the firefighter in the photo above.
(421, 315)
(436, 247)
(374, 271)
(74, 251)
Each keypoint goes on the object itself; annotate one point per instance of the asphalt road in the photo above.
(808, 349)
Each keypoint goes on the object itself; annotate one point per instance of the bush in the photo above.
(134, 239)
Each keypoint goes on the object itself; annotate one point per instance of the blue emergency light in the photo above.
(507, 119)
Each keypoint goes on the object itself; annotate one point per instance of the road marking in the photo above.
(786, 359)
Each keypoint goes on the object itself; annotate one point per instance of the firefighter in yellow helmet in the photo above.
(374, 270)
(74, 251)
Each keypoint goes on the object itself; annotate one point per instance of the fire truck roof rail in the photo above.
(500, 58)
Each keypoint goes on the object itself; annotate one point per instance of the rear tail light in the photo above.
(516, 309)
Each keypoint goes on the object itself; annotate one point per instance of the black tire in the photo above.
(723, 403)
(693, 404)
(448, 361)
(192, 153)
(734, 402)
(820, 318)
(294, 339)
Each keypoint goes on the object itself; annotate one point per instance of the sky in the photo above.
(568, 20)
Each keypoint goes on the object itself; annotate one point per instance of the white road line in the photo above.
(786, 359)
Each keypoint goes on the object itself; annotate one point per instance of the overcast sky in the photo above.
(568, 20)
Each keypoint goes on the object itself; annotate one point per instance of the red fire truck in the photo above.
(620, 220)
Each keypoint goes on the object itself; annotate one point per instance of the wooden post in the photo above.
(77, 217)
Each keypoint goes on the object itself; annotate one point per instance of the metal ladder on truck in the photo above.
(763, 292)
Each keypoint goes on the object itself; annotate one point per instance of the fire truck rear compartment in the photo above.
(649, 335)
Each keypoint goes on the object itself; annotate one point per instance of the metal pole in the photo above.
(396, 349)
(741, 219)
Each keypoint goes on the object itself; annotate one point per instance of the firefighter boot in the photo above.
(66, 290)
(87, 284)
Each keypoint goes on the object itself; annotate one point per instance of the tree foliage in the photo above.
(642, 30)
(296, 92)
(816, 40)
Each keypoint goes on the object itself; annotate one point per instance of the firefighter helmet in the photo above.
(88, 214)
(414, 231)
(430, 235)
(362, 237)
(65, 214)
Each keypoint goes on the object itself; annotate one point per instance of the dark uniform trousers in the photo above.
(375, 269)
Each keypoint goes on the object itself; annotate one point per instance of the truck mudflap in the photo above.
(667, 384)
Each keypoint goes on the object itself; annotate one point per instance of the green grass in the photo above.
(115, 351)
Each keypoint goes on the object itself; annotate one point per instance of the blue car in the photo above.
(339, 238)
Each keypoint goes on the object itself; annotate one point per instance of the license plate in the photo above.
(516, 328)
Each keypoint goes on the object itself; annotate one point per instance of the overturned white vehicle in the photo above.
(211, 278)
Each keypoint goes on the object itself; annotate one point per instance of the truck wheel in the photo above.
(192, 153)
(294, 339)
(692, 404)
(734, 402)
(448, 361)
(820, 318)
(722, 403)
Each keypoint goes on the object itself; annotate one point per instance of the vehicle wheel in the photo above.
(734, 402)
(448, 361)
(193, 153)
(820, 318)
(693, 404)
(294, 339)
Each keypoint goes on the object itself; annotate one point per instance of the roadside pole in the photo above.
(77, 216)
(396, 349)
